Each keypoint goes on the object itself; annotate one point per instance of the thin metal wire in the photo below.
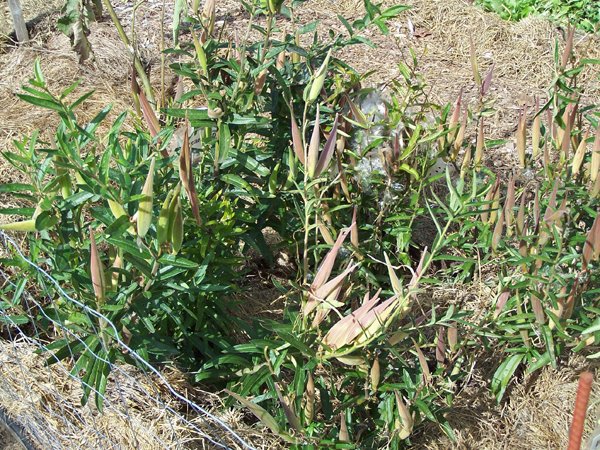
(34, 308)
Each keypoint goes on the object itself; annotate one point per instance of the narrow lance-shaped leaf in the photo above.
(260, 413)
(328, 149)
(394, 280)
(144, 214)
(290, 415)
(97, 271)
(358, 116)
(313, 148)
(117, 264)
(186, 175)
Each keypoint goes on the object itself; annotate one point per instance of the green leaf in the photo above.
(504, 373)
(178, 261)
(16, 187)
(42, 102)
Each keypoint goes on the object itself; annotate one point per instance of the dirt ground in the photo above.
(537, 412)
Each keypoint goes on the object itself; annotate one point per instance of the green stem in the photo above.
(136, 61)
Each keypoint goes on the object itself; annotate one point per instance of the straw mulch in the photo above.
(45, 402)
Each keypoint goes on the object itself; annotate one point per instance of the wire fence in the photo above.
(42, 393)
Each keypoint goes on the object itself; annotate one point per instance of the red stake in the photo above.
(581, 403)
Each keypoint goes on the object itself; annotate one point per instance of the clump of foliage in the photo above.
(289, 138)
(582, 13)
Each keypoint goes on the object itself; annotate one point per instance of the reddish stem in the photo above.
(581, 403)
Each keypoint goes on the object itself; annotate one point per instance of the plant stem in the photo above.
(136, 60)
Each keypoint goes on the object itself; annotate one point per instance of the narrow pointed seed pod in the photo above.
(118, 211)
(407, 421)
(536, 130)
(117, 264)
(309, 408)
(453, 337)
(595, 163)
(177, 234)
(162, 226)
(313, 148)
(24, 225)
(97, 271)
(318, 80)
(375, 374)
(579, 155)
(521, 138)
(200, 54)
(344, 435)
(479, 145)
(174, 199)
(509, 206)
(280, 63)
(144, 215)
(538, 310)
(460, 136)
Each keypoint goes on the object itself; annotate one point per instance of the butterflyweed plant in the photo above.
(151, 228)
(114, 223)
(539, 228)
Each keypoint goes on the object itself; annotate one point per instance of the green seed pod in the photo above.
(177, 234)
(318, 80)
(25, 225)
(273, 179)
(97, 271)
(144, 215)
(162, 227)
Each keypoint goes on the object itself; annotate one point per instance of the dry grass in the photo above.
(536, 415)
(46, 402)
